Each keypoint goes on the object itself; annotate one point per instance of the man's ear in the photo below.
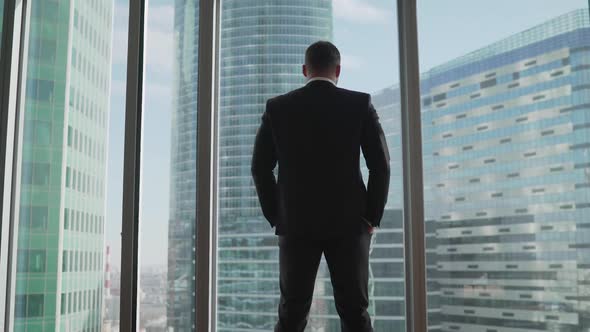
(338, 71)
(304, 70)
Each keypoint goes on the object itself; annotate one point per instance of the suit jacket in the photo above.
(316, 134)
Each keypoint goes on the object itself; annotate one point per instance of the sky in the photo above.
(365, 32)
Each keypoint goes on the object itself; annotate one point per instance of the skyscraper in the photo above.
(183, 185)
(506, 135)
(506, 140)
(60, 242)
(387, 283)
(262, 49)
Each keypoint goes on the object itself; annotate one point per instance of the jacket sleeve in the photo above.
(264, 160)
(376, 153)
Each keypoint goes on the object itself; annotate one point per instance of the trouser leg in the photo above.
(348, 262)
(299, 259)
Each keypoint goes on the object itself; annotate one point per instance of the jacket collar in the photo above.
(321, 79)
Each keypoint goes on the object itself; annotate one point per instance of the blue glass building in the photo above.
(181, 226)
(506, 133)
(386, 285)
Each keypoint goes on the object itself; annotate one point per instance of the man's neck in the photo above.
(321, 78)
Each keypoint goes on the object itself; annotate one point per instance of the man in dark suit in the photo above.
(319, 203)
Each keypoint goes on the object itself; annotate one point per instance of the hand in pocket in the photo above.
(371, 228)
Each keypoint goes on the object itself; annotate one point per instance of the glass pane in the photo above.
(63, 278)
(262, 50)
(505, 105)
(168, 190)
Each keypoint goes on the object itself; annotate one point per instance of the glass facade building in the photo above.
(262, 49)
(60, 233)
(507, 175)
(181, 225)
(506, 141)
(386, 283)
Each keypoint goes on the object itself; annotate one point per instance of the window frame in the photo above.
(14, 27)
(411, 128)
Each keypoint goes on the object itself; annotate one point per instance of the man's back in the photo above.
(316, 134)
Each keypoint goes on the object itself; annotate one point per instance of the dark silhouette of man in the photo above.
(319, 204)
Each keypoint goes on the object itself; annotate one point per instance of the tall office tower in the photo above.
(183, 185)
(262, 48)
(387, 287)
(60, 242)
(254, 67)
(506, 133)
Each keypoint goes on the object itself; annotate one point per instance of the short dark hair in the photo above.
(322, 56)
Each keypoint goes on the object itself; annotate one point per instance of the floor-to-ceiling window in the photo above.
(262, 46)
(505, 117)
(254, 66)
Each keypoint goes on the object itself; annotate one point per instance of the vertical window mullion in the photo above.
(415, 264)
(206, 199)
(11, 54)
(129, 311)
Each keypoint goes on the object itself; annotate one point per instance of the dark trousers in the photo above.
(348, 261)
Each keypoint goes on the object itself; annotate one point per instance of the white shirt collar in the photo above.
(318, 78)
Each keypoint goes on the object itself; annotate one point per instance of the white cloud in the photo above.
(351, 62)
(157, 93)
(361, 11)
(160, 39)
(160, 51)
(161, 17)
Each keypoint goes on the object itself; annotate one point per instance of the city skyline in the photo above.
(532, 80)
(343, 82)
